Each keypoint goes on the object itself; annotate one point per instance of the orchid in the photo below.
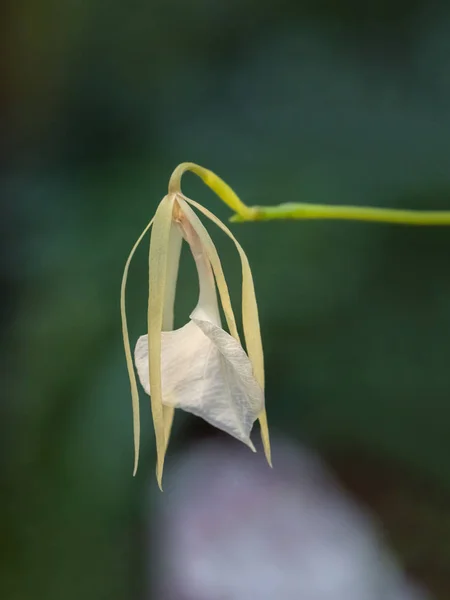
(200, 368)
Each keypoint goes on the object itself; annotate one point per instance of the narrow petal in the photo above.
(207, 302)
(158, 265)
(250, 321)
(173, 262)
(206, 372)
(214, 259)
(129, 359)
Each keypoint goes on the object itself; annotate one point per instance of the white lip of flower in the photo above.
(199, 367)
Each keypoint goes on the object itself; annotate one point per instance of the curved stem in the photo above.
(298, 211)
(218, 186)
(346, 213)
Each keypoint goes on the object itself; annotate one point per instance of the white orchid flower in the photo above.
(200, 367)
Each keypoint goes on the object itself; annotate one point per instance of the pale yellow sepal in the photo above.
(173, 261)
(216, 265)
(250, 320)
(159, 247)
(128, 355)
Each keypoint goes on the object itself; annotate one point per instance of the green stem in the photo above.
(300, 211)
(218, 186)
(346, 213)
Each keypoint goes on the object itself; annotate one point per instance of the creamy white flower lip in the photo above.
(200, 367)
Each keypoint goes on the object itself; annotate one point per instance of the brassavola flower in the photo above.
(200, 368)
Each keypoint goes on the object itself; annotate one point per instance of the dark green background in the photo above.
(324, 102)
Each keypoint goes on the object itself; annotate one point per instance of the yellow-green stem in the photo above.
(298, 211)
(346, 213)
(218, 186)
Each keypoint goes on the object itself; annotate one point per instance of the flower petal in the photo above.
(214, 259)
(158, 270)
(204, 371)
(250, 320)
(173, 262)
(207, 301)
(126, 343)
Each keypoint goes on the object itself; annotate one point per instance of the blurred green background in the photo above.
(320, 101)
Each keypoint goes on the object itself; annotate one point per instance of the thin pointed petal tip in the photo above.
(159, 475)
(251, 446)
